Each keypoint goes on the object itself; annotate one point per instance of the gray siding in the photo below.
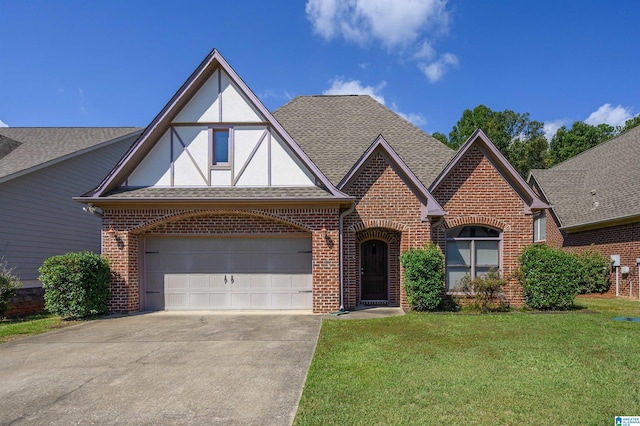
(39, 219)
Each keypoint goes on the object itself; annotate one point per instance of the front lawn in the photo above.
(13, 328)
(577, 367)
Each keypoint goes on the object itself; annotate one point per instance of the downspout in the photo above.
(341, 250)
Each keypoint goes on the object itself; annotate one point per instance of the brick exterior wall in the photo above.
(386, 210)
(27, 301)
(475, 193)
(123, 229)
(621, 239)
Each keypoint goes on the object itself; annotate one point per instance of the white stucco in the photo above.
(154, 169)
(204, 106)
(256, 173)
(286, 170)
(185, 172)
(235, 106)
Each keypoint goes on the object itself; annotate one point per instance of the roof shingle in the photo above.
(334, 131)
(39, 145)
(611, 169)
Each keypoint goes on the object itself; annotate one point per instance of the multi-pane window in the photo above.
(220, 147)
(471, 250)
(539, 226)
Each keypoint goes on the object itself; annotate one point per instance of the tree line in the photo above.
(522, 140)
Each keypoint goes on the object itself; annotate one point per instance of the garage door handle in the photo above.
(232, 281)
(305, 291)
(225, 279)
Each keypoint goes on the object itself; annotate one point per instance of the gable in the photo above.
(474, 186)
(185, 155)
(479, 146)
(214, 133)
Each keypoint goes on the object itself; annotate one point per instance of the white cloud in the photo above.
(405, 27)
(435, 70)
(3, 124)
(551, 128)
(339, 86)
(416, 118)
(425, 51)
(393, 23)
(612, 116)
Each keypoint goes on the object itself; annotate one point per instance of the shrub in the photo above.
(487, 291)
(423, 277)
(9, 283)
(593, 269)
(76, 284)
(549, 277)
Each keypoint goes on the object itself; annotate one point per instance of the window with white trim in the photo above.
(472, 251)
(539, 226)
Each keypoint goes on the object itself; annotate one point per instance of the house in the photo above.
(221, 204)
(41, 169)
(594, 201)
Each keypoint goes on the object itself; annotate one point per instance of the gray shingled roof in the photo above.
(334, 131)
(40, 145)
(612, 169)
(221, 193)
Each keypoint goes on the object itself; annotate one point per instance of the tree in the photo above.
(520, 139)
(441, 137)
(581, 136)
(630, 124)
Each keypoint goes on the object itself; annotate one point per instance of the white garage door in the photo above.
(228, 273)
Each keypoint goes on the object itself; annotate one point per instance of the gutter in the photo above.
(341, 250)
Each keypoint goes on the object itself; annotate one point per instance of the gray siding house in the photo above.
(41, 169)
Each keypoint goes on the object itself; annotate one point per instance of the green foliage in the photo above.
(441, 137)
(487, 291)
(567, 143)
(549, 277)
(593, 270)
(9, 283)
(76, 285)
(630, 124)
(423, 277)
(520, 139)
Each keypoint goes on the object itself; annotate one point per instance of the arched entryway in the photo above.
(374, 272)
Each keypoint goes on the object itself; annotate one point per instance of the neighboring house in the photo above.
(221, 204)
(594, 202)
(41, 169)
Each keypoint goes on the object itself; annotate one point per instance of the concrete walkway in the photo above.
(160, 369)
(368, 312)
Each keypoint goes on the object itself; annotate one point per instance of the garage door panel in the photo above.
(228, 273)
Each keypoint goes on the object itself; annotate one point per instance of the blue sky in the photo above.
(116, 63)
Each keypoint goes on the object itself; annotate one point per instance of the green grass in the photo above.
(570, 368)
(11, 329)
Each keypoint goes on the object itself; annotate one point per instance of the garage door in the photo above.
(228, 273)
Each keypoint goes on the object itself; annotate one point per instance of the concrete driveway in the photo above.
(160, 368)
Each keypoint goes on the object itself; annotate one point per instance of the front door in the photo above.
(373, 263)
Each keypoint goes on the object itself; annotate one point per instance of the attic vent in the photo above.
(594, 202)
(7, 145)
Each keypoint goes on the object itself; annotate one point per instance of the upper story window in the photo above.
(539, 226)
(470, 250)
(221, 147)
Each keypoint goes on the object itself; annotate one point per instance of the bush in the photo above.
(9, 283)
(487, 291)
(593, 269)
(76, 284)
(549, 277)
(423, 277)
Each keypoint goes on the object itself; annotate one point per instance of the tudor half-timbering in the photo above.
(221, 204)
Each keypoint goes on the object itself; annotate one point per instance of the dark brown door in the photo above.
(373, 261)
